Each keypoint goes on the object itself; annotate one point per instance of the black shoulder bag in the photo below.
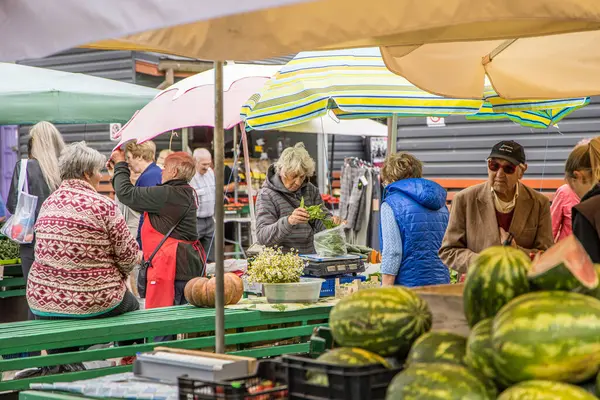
(142, 279)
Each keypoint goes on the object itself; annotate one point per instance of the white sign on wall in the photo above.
(435, 121)
(114, 129)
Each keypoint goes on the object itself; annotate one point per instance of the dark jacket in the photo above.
(273, 207)
(35, 182)
(420, 210)
(586, 223)
(151, 176)
(164, 204)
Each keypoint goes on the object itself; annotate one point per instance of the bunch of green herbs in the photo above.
(316, 213)
(9, 250)
(272, 265)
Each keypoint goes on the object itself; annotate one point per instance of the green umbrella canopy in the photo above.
(29, 95)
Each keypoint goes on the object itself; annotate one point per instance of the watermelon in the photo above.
(438, 381)
(552, 335)
(479, 353)
(545, 390)
(438, 347)
(385, 321)
(345, 356)
(496, 276)
(598, 384)
(565, 266)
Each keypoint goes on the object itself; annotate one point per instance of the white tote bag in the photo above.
(19, 226)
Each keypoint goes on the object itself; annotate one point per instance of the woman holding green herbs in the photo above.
(289, 209)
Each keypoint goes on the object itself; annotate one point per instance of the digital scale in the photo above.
(327, 266)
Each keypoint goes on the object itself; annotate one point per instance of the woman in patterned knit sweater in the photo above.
(84, 251)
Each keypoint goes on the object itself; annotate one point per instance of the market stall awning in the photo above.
(29, 95)
(356, 84)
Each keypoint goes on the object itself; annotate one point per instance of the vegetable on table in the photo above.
(9, 250)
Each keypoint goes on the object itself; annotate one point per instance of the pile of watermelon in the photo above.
(535, 331)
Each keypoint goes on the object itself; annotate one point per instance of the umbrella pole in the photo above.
(249, 182)
(219, 145)
(392, 134)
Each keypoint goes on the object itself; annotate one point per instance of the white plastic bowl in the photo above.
(305, 291)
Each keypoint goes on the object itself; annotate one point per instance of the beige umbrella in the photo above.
(310, 25)
(546, 67)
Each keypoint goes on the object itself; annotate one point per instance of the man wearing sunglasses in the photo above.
(501, 210)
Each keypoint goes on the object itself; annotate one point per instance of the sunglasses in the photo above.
(495, 166)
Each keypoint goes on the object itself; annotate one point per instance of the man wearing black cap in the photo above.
(497, 211)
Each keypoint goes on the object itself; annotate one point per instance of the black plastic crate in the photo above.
(345, 383)
(245, 388)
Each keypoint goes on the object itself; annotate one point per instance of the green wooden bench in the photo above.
(248, 333)
(13, 283)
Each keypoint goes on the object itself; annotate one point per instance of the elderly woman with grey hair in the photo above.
(84, 250)
(280, 219)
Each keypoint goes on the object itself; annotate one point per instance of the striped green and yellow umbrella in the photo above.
(356, 84)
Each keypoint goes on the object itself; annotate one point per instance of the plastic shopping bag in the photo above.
(19, 227)
(331, 242)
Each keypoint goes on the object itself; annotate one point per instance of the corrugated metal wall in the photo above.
(459, 149)
(117, 65)
(345, 146)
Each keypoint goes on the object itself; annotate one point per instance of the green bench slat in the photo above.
(12, 293)
(13, 270)
(193, 343)
(41, 335)
(266, 328)
(42, 395)
(12, 281)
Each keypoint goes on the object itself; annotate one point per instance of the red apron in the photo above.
(160, 286)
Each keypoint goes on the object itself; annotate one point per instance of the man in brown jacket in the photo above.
(484, 215)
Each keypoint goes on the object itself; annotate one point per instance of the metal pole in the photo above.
(249, 183)
(185, 137)
(219, 144)
(392, 134)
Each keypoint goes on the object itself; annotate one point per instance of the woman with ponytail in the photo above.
(583, 176)
(43, 177)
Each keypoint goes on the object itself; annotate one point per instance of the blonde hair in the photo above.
(399, 166)
(78, 159)
(45, 145)
(585, 157)
(295, 160)
(183, 163)
(146, 150)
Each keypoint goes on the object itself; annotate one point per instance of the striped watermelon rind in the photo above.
(552, 335)
(438, 381)
(545, 390)
(565, 266)
(347, 357)
(438, 346)
(385, 321)
(598, 384)
(496, 276)
(480, 353)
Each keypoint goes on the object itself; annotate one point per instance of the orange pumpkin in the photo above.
(199, 292)
(202, 291)
(187, 291)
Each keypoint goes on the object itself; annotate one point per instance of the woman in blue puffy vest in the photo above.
(414, 218)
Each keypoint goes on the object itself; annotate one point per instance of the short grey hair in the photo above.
(295, 160)
(78, 159)
(200, 153)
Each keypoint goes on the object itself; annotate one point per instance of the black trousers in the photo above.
(129, 303)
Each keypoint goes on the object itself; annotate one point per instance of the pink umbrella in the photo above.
(191, 102)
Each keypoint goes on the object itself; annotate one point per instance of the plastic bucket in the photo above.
(305, 291)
